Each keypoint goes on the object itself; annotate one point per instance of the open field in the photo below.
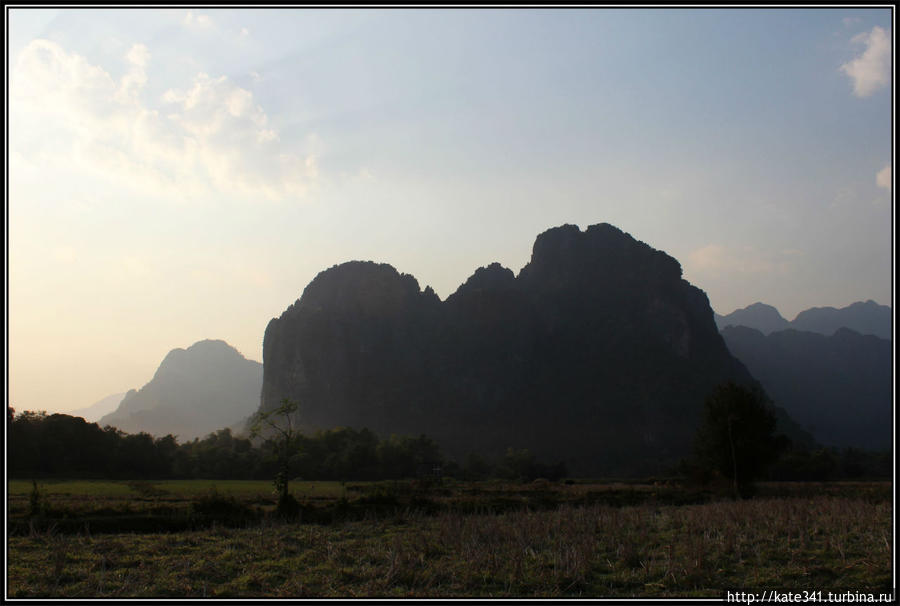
(454, 540)
(177, 489)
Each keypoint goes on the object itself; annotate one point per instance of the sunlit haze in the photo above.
(182, 174)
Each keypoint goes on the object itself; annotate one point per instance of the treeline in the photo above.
(63, 446)
(59, 445)
(803, 464)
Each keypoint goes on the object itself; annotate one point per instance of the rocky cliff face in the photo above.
(355, 349)
(598, 353)
(195, 391)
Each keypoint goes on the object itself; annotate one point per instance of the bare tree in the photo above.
(279, 424)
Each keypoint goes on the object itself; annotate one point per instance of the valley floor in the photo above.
(836, 542)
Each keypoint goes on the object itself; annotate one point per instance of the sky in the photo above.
(181, 174)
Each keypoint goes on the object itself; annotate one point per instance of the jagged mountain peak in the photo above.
(602, 251)
(363, 284)
(491, 277)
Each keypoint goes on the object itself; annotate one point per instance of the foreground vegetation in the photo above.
(62, 446)
(358, 526)
(463, 539)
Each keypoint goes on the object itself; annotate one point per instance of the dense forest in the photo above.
(62, 446)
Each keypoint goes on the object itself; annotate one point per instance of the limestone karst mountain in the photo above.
(598, 354)
(195, 391)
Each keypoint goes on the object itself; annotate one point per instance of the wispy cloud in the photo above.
(211, 137)
(715, 259)
(197, 21)
(883, 178)
(136, 77)
(872, 69)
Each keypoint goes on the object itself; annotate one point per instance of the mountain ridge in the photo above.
(598, 330)
(864, 317)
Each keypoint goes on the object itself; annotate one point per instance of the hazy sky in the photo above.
(176, 175)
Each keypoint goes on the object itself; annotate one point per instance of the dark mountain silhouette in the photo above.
(838, 387)
(598, 353)
(194, 392)
(97, 410)
(867, 318)
(760, 316)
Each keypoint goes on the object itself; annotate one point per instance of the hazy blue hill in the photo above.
(195, 391)
(760, 316)
(838, 386)
(868, 318)
(97, 410)
(598, 353)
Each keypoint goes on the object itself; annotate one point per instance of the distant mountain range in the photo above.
(867, 318)
(97, 410)
(195, 391)
(839, 387)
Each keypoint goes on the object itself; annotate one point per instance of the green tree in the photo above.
(279, 425)
(737, 435)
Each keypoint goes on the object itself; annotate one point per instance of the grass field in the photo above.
(179, 488)
(489, 539)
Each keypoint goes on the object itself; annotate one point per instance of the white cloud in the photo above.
(266, 135)
(883, 178)
(715, 260)
(138, 55)
(871, 70)
(134, 80)
(239, 103)
(198, 21)
(45, 69)
(211, 138)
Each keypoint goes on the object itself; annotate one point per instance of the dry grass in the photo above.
(588, 551)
